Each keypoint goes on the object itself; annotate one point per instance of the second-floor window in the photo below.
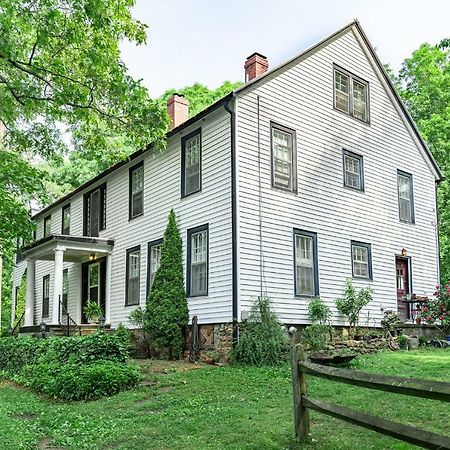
(47, 226)
(133, 280)
(283, 158)
(136, 194)
(65, 229)
(353, 170)
(191, 163)
(197, 263)
(405, 197)
(351, 94)
(306, 266)
(95, 211)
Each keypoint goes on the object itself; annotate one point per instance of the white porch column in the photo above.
(57, 283)
(29, 295)
(108, 289)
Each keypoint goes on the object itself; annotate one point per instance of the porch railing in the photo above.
(65, 321)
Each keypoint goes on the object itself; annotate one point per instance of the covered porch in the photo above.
(85, 251)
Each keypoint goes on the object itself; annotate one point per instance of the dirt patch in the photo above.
(164, 367)
(149, 383)
(26, 416)
(44, 444)
(164, 389)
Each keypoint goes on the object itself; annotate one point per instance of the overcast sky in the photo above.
(208, 40)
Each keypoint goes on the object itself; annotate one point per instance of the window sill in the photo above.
(135, 217)
(365, 122)
(306, 296)
(361, 191)
(362, 278)
(286, 190)
(190, 193)
(132, 304)
(197, 296)
(407, 222)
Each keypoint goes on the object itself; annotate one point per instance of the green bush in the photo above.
(315, 336)
(319, 311)
(167, 312)
(264, 342)
(74, 368)
(86, 382)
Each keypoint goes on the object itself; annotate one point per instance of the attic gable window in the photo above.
(405, 197)
(284, 164)
(351, 94)
(191, 163)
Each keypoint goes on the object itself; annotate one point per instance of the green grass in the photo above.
(222, 408)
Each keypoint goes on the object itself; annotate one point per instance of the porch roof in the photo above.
(76, 248)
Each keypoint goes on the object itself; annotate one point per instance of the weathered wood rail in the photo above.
(435, 390)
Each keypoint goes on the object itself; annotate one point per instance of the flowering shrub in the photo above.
(436, 311)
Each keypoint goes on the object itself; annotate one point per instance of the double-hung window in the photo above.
(284, 157)
(154, 261)
(191, 163)
(45, 296)
(351, 94)
(405, 197)
(306, 280)
(197, 261)
(95, 211)
(361, 260)
(47, 226)
(133, 270)
(136, 194)
(353, 170)
(65, 293)
(65, 227)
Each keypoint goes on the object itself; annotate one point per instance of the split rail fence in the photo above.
(435, 390)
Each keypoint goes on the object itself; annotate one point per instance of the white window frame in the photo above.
(352, 101)
(291, 164)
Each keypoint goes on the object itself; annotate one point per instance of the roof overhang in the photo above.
(76, 248)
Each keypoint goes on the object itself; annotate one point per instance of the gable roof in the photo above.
(224, 100)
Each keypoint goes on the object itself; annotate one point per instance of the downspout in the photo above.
(437, 183)
(234, 299)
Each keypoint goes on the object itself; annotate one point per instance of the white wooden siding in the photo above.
(162, 178)
(301, 98)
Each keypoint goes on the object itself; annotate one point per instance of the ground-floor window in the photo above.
(197, 261)
(361, 260)
(45, 296)
(153, 261)
(306, 279)
(133, 279)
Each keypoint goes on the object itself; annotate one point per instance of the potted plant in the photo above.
(436, 311)
(92, 311)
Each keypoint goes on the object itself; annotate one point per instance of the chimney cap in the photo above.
(257, 54)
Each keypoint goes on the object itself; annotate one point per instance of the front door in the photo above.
(93, 285)
(402, 270)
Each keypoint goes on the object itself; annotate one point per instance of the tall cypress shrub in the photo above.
(167, 313)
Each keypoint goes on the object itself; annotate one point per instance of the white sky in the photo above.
(208, 41)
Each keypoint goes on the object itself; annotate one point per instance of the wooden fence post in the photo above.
(301, 414)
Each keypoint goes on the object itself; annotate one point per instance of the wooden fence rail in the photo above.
(408, 386)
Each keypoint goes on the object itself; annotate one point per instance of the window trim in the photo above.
(351, 154)
(299, 232)
(102, 219)
(44, 279)
(46, 220)
(185, 138)
(151, 244)
(127, 268)
(411, 199)
(277, 126)
(189, 234)
(352, 76)
(369, 259)
(130, 190)
(63, 209)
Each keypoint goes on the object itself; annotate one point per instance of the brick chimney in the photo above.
(255, 65)
(178, 109)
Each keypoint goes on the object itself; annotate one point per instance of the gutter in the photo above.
(234, 299)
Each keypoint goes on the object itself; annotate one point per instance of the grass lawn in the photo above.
(221, 408)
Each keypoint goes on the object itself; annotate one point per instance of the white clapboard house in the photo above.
(309, 174)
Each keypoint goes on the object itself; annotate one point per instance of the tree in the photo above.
(60, 71)
(425, 78)
(167, 312)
